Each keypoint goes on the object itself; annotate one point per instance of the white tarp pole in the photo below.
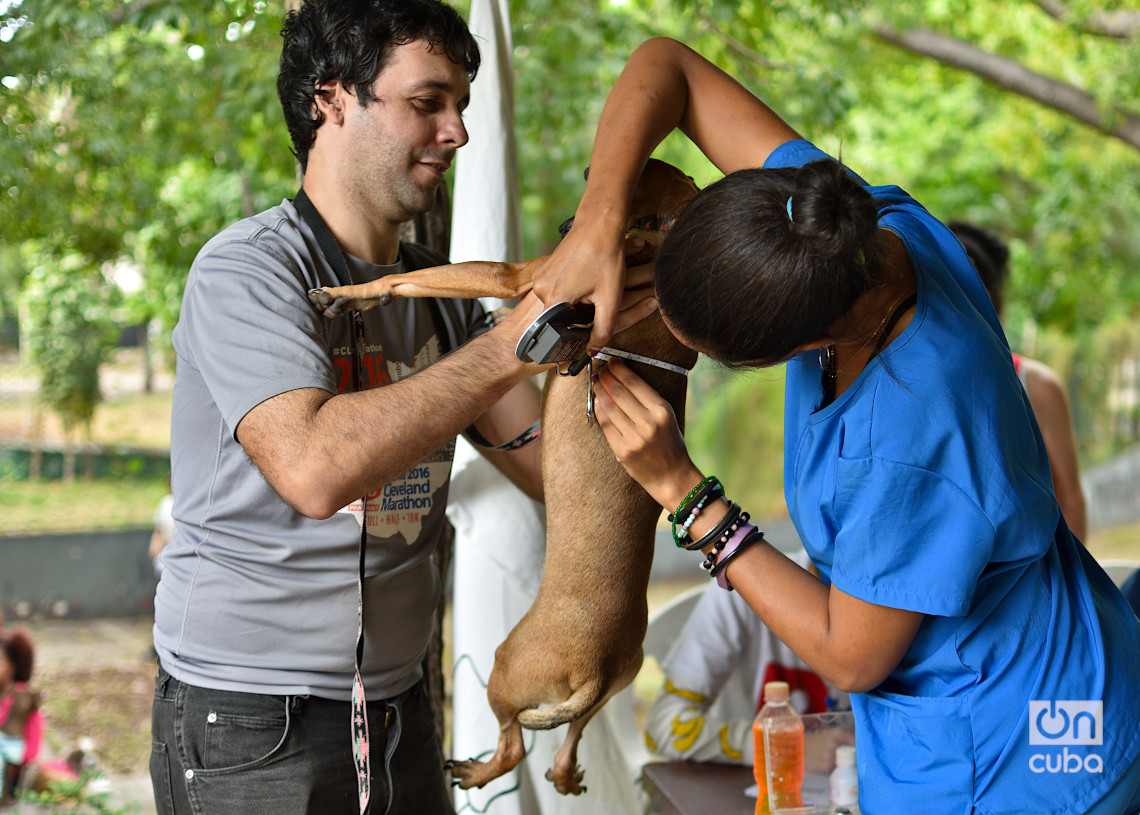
(500, 534)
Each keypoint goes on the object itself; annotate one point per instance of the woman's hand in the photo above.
(642, 430)
(588, 266)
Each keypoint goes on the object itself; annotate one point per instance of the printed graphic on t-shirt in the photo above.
(401, 505)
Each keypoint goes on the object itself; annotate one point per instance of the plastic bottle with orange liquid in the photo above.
(778, 769)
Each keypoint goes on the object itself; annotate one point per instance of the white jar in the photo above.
(844, 778)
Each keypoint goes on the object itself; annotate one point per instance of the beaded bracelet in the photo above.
(708, 486)
(689, 508)
(694, 512)
(745, 537)
(729, 533)
(704, 482)
(728, 519)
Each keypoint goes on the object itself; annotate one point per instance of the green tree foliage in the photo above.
(69, 334)
(133, 131)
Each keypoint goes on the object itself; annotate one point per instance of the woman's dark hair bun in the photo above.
(832, 211)
(767, 261)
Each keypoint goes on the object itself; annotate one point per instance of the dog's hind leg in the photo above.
(566, 774)
(509, 752)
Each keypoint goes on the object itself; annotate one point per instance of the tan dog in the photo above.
(580, 642)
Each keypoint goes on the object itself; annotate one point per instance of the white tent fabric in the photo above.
(500, 536)
(485, 222)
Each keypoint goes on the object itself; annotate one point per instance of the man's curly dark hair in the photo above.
(352, 41)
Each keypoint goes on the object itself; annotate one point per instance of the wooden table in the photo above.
(689, 788)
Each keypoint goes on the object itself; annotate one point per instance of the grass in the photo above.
(39, 507)
(1121, 542)
(126, 416)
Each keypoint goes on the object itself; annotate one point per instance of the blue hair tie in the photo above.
(789, 208)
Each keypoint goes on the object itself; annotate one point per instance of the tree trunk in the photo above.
(147, 362)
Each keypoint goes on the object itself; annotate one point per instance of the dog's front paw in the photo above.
(328, 304)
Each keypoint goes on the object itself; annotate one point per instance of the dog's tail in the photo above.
(580, 702)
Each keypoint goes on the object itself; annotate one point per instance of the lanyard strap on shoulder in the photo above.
(359, 724)
(325, 240)
(335, 259)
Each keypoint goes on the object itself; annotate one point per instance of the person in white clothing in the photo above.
(714, 685)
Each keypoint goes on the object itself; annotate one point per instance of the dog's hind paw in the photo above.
(568, 783)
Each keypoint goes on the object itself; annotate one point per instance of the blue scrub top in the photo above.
(925, 486)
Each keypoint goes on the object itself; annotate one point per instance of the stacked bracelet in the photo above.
(745, 536)
(709, 489)
(726, 534)
(730, 536)
(729, 519)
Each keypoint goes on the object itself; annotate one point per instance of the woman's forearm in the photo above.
(853, 645)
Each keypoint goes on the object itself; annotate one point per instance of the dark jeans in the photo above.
(215, 752)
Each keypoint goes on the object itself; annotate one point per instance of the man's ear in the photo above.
(331, 100)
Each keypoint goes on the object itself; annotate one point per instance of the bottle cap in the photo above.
(845, 756)
(776, 691)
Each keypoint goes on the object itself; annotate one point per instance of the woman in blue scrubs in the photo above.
(993, 665)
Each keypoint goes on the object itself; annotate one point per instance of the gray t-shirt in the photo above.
(256, 597)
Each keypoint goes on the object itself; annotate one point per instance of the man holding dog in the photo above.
(283, 419)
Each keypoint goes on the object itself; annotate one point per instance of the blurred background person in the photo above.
(1047, 396)
(21, 720)
(163, 530)
(714, 687)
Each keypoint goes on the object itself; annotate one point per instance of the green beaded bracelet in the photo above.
(709, 486)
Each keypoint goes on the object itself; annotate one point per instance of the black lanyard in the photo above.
(360, 740)
(335, 258)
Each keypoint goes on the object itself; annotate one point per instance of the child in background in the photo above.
(1046, 393)
(21, 720)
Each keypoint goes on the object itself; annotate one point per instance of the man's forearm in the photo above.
(321, 452)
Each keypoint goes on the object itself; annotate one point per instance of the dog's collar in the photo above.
(655, 223)
(646, 223)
